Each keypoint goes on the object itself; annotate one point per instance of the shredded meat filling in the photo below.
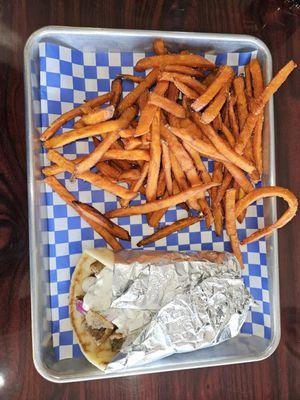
(96, 267)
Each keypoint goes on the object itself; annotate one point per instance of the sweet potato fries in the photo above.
(154, 140)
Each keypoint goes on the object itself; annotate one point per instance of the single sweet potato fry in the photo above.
(149, 110)
(169, 229)
(231, 225)
(167, 105)
(160, 61)
(132, 97)
(133, 78)
(116, 89)
(159, 47)
(182, 69)
(166, 165)
(97, 154)
(194, 192)
(155, 159)
(225, 73)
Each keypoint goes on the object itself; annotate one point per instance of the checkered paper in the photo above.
(67, 78)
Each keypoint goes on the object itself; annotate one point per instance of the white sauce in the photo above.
(98, 296)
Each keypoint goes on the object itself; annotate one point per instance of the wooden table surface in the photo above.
(277, 23)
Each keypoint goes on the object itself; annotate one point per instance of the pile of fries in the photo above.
(154, 138)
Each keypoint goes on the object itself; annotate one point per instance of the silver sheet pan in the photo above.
(240, 349)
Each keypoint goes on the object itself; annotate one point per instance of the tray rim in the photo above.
(36, 37)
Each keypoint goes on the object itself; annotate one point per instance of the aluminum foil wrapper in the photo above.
(196, 300)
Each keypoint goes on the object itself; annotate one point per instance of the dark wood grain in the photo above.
(275, 22)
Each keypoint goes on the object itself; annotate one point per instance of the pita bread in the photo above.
(99, 355)
(101, 352)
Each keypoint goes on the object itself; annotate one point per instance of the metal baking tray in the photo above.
(238, 350)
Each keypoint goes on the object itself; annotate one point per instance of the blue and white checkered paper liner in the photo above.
(67, 78)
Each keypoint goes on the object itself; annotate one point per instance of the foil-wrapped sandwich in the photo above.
(134, 307)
